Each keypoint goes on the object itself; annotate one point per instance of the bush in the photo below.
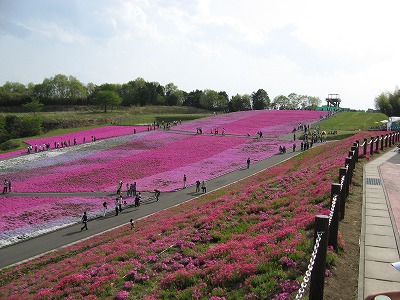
(9, 145)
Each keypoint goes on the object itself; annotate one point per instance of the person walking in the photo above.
(116, 207)
(184, 181)
(197, 186)
(131, 223)
(9, 185)
(84, 221)
(248, 162)
(104, 208)
(120, 203)
(137, 200)
(204, 186)
(5, 186)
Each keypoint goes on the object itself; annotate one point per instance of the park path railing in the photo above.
(327, 227)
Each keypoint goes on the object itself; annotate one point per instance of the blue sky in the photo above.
(314, 48)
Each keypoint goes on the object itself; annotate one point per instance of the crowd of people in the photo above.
(62, 144)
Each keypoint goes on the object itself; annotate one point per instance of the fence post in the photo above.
(393, 139)
(390, 139)
(353, 161)
(377, 143)
(334, 225)
(365, 147)
(318, 272)
(371, 148)
(382, 142)
(386, 140)
(344, 192)
(354, 148)
(350, 169)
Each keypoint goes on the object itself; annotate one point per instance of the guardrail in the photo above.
(327, 227)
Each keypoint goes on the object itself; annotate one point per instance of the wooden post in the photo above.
(365, 147)
(382, 142)
(318, 271)
(386, 140)
(371, 147)
(393, 142)
(390, 139)
(353, 162)
(354, 148)
(334, 226)
(377, 143)
(350, 170)
(344, 192)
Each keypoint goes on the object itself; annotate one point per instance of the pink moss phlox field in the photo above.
(228, 244)
(156, 160)
(272, 123)
(16, 212)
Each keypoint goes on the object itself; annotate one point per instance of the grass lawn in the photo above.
(353, 121)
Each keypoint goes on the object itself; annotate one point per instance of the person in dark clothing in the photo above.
(248, 163)
(84, 221)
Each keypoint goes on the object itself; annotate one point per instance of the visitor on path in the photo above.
(157, 194)
(134, 189)
(104, 208)
(198, 186)
(248, 162)
(5, 186)
(116, 206)
(84, 221)
(119, 187)
(184, 181)
(9, 185)
(120, 203)
(294, 147)
(204, 186)
(131, 223)
(137, 200)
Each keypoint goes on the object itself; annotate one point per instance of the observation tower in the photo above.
(333, 100)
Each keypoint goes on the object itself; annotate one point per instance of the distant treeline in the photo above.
(68, 90)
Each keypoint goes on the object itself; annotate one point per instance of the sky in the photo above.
(314, 48)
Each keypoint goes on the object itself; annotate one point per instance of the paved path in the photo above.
(55, 240)
(379, 241)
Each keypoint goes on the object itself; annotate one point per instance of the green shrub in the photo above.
(9, 145)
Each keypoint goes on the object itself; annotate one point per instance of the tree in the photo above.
(193, 98)
(281, 102)
(240, 103)
(34, 106)
(260, 100)
(61, 90)
(383, 105)
(213, 100)
(14, 94)
(30, 126)
(394, 100)
(107, 99)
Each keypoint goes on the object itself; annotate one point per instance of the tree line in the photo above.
(68, 90)
(389, 103)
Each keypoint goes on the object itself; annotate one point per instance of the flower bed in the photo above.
(149, 159)
(251, 240)
(272, 123)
